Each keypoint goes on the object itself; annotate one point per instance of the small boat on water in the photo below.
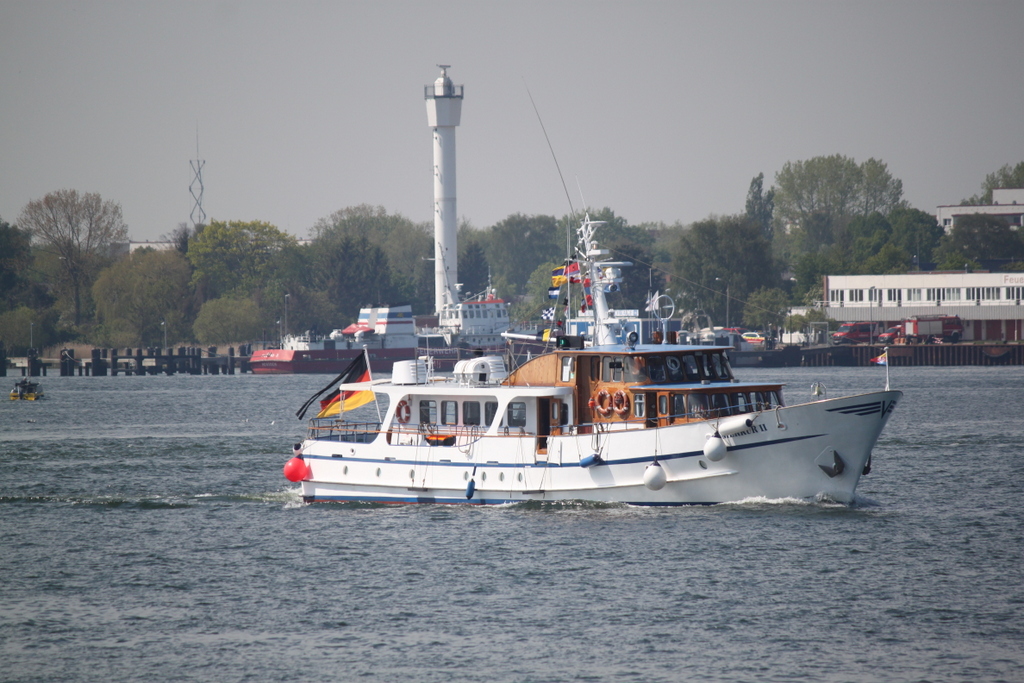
(26, 391)
(600, 419)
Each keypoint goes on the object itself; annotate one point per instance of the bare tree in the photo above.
(82, 230)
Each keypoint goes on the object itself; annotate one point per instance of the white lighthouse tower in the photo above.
(444, 110)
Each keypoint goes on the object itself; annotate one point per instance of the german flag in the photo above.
(357, 371)
(339, 401)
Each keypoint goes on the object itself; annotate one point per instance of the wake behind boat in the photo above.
(604, 419)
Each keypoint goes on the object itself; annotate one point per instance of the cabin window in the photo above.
(741, 402)
(611, 370)
(720, 404)
(674, 368)
(656, 368)
(697, 405)
(717, 368)
(428, 412)
(678, 404)
(765, 400)
(568, 373)
(663, 404)
(635, 371)
(639, 406)
(471, 413)
(690, 368)
(450, 412)
(595, 364)
(490, 411)
(516, 414)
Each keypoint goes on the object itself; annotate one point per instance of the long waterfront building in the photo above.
(989, 304)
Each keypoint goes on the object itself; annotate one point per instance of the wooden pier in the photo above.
(151, 361)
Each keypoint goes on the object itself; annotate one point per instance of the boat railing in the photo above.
(330, 429)
(326, 429)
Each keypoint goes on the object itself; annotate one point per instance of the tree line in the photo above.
(66, 276)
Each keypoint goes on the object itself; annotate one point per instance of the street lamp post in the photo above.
(163, 324)
(31, 335)
(286, 296)
(718, 279)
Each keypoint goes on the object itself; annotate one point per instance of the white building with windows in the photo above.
(1006, 203)
(989, 304)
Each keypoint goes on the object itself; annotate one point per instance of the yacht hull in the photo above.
(807, 451)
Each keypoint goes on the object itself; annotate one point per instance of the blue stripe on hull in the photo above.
(429, 500)
(620, 461)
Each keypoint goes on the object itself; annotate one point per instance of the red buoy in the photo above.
(296, 469)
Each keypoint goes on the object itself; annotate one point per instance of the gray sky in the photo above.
(663, 111)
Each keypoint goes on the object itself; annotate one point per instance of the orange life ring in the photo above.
(603, 403)
(403, 412)
(620, 403)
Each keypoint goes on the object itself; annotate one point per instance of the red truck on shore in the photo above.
(944, 329)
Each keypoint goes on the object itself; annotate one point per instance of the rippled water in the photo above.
(147, 532)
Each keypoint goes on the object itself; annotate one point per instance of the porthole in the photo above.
(412, 474)
(483, 476)
(378, 471)
(345, 471)
(520, 476)
(501, 476)
(703, 465)
(465, 476)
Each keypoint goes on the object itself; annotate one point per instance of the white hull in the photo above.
(785, 454)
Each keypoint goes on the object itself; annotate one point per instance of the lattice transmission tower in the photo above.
(198, 215)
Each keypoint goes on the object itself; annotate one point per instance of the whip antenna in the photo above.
(559, 168)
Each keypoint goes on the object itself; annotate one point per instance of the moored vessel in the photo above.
(386, 332)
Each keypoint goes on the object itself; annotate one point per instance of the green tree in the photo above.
(810, 269)
(83, 231)
(766, 307)
(879, 191)
(1007, 177)
(23, 327)
(405, 245)
(888, 259)
(915, 232)
(236, 257)
(229, 320)
(135, 295)
(820, 196)
(761, 205)
(352, 272)
(956, 260)
(517, 246)
(474, 270)
(718, 258)
(979, 237)
(15, 262)
(867, 234)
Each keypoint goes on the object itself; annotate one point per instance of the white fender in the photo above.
(714, 449)
(655, 477)
(734, 425)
